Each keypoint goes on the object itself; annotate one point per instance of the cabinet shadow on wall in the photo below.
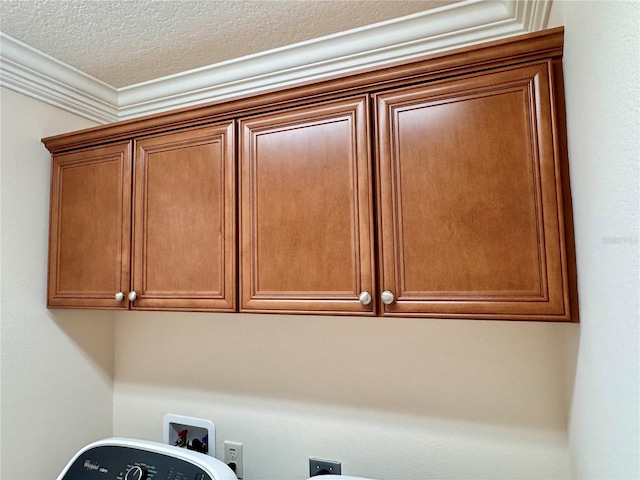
(498, 372)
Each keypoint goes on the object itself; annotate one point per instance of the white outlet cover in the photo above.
(233, 453)
(171, 419)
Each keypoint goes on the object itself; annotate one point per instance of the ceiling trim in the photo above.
(25, 69)
(40, 76)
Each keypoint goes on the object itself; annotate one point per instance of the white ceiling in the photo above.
(125, 42)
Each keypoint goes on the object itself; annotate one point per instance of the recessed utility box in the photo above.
(189, 432)
(317, 466)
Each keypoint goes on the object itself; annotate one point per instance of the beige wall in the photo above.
(602, 79)
(390, 398)
(56, 366)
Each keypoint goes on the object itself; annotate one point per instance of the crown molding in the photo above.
(25, 69)
(533, 15)
(40, 76)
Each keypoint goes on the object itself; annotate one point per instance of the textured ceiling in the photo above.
(123, 42)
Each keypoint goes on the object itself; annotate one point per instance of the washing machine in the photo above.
(129, 459)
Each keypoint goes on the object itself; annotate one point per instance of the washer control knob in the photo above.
(136, 473)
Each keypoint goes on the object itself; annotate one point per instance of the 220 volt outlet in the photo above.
(318, 466)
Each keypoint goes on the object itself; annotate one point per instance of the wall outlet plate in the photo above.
(233, 454)
(197, 429)
(318, 466)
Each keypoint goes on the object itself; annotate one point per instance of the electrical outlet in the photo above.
(324, 467)
(233, 457)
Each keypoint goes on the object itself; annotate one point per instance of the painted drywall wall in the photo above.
(602, 78)
(390, 398)
(56, 366)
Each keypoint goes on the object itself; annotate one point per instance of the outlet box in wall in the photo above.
(197, 429)
(318, 467)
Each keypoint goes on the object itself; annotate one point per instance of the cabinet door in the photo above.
(184, 221)
(306, 210)
(470, 198)
(90, 222)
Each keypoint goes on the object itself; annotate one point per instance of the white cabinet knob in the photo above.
(387, 297)
(132, 295)
(365, 298)
(119, 296)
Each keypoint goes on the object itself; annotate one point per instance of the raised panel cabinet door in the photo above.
(184, 221)
(471, 201)
(90, 228)
(306, 210)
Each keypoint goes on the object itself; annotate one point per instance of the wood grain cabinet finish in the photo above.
(471, 198)
(439, 187)
(184, 221)
(306, 210)
(160, 224)
(90, 219)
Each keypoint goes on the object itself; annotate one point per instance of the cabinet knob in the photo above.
(387, 297)
(119, 296)
(365, 298)
(132, 295)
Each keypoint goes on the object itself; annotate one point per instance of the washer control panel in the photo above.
(126, 463)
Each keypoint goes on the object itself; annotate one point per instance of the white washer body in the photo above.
(117, 458)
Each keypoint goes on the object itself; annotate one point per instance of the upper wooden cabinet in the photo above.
(90, 227)
(470, 198)
(184, 220)
(181, 198)
(434, 188)
(306, 209)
